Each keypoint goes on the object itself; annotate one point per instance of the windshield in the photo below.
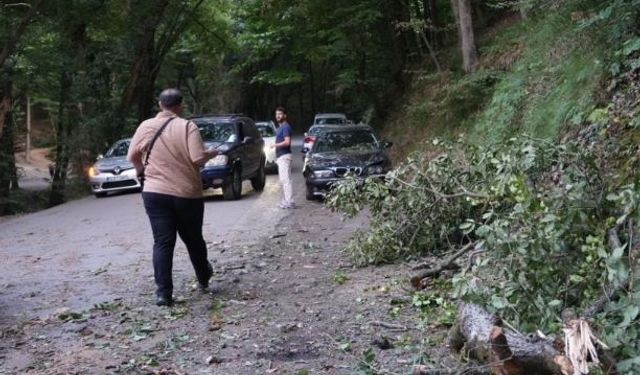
(266, 131)
(217, 131)
(353, 141)
(119, 149)
(330, 121)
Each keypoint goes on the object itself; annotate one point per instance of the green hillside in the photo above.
(542, 76)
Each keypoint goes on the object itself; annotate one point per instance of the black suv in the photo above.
(241, 153)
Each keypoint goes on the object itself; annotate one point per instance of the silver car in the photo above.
(268, 131)
(113, 172)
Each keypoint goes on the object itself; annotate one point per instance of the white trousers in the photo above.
(284, 173)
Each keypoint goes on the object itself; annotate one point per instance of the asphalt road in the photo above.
(60, 257)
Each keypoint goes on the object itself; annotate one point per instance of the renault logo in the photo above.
(117, 170)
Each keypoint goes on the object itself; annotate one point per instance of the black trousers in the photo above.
(170, 215)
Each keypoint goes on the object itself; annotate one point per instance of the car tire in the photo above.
(100, 195)
(258, 181)
(233, 189)
(310, 196)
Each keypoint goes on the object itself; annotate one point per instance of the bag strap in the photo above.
(155, 138)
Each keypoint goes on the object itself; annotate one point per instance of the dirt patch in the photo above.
(34, 173)
(288, 303)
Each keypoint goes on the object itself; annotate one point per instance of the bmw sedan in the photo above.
(113, 172)
(340, 151)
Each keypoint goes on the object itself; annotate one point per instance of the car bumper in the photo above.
(321, 186)
(215, 177)
(108, 182)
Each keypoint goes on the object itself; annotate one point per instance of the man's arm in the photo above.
(285, 143)
(134, 155)
(199, 156)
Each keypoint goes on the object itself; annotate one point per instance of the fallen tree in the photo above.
(479, 335)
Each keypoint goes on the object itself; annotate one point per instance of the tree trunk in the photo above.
(467, 38)
(11, 41)
(59, 178)
(74, 43)
(483, 338)
(432, 16)
(8, 171)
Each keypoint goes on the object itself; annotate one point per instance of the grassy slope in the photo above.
(537, 76)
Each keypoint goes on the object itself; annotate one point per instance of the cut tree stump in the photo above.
(480, 335)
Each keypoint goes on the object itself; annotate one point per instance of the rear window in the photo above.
(330, 121)
(216, 131)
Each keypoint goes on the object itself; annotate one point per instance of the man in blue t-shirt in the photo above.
(283, 157)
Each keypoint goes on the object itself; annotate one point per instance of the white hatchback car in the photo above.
(113, 172)
(268, 131)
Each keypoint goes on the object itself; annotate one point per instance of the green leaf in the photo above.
(630, 313)
(631, 46)
(555, 303)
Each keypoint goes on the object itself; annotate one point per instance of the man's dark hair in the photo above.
(170, 98)
(281, 109)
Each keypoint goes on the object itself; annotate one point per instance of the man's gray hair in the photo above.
(170, 98)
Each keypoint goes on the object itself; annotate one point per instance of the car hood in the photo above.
(220, 146)
(111, 163)
(346, 159)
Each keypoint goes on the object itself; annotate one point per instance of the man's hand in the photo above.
(212, 153)
(273, 145)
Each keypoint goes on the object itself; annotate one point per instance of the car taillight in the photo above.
(310, 139)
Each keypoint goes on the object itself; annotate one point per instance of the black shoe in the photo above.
(204, 286)
(164, 301)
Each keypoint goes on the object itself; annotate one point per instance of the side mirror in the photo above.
(387, 144)
(100, 156)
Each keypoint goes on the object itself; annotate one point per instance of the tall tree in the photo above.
(467, 37)
(157, 27)
(11, 14)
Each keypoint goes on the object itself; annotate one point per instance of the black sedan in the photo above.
(341, 151)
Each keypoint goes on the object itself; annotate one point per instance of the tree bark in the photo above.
(74, 44)
(467, 37)
(8, 171)
(483, 338)
(12, 41)
(8, 48)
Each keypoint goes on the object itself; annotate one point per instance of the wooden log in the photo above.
(481, 336)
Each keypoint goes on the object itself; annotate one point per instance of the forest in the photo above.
(515, 128)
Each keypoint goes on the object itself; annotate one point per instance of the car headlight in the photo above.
(375, 169)
(92, 172)
(323, 174)
(217, 161)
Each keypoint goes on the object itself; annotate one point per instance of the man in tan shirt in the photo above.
(172, 192)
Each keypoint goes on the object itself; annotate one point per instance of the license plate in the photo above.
(116, 178)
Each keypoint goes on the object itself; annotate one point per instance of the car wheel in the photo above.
(258, 181)
(101, 195)
(310, 195)
(233, 190)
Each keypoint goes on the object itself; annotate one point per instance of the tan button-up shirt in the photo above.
(175, 159)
